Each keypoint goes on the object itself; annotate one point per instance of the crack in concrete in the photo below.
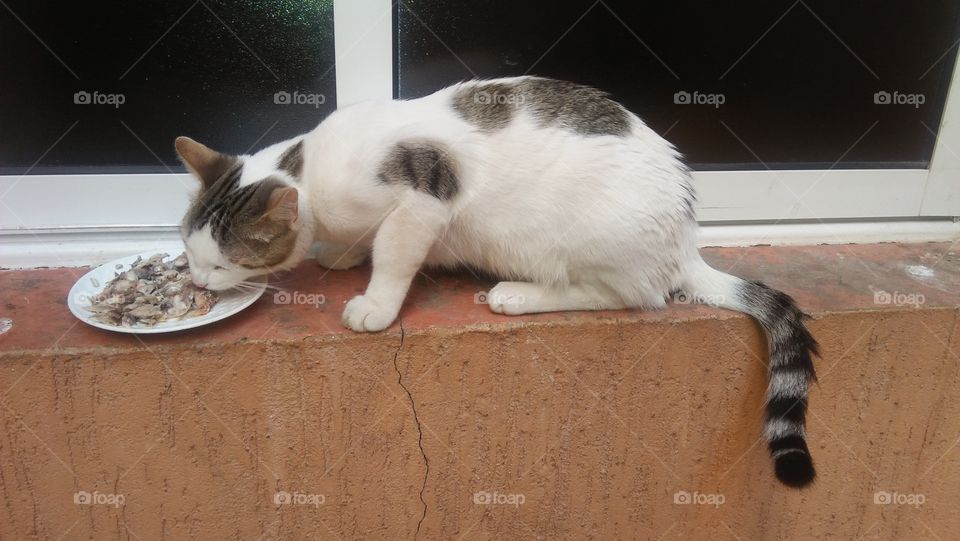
(416, 418)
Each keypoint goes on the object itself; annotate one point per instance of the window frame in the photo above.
(46, 220)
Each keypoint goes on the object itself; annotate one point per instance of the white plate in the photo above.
(93, 282)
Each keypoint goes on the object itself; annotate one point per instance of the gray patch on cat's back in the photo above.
(489, 106)
(581, 109)
(423, 165)
(291, 160)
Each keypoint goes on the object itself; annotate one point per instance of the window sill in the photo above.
(823, 279)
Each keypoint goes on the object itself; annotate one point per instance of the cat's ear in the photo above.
(282, 205)
(205, 163)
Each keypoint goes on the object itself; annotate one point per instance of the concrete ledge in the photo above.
(599, 422)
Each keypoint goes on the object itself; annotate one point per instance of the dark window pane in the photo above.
(798, 80)
(207, 69)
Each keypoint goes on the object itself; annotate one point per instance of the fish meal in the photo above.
(150, 291)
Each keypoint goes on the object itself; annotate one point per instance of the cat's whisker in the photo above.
(243, 287)
(257, 285)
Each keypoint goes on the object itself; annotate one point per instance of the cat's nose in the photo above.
(198, 283)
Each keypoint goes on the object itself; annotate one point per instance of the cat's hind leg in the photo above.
(514, 298)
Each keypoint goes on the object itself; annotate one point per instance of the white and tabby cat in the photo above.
(558, 190)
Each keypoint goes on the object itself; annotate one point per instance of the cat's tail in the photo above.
(790, 369)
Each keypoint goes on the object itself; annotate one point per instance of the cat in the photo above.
(552, 186)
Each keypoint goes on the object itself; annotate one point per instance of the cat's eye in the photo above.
(218, 267)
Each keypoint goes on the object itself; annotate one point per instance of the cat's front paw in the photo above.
(363, 314)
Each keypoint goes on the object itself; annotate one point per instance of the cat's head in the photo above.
(237, 226)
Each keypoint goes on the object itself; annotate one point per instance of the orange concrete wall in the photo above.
(587, 427)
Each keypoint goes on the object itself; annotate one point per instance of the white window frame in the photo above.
(64, 220)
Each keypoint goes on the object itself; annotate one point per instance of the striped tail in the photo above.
(791, 348)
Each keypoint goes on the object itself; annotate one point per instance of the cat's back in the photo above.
(526, 137)
(393, 119)
(489, 109)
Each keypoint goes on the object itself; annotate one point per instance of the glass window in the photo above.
(107, 86)
(735, 85)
